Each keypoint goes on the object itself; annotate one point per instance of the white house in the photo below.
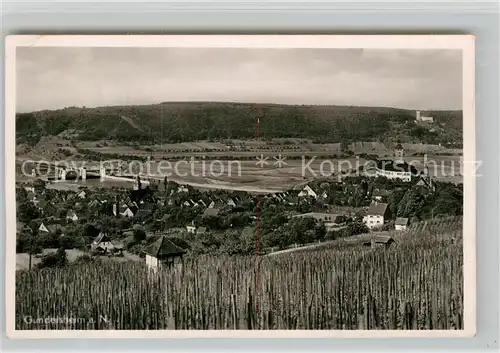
(71, 215)
(308, 191)
(401, 223)
(377, 215)
(43, 228)
(191, 228)
(82, 194)
(29, 188)
(163, 253)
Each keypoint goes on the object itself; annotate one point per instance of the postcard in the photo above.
(177, 186)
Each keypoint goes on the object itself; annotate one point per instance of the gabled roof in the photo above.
(378, 209)
(101, 238)
(382, 239)
(211, 212)
(163, 247)
(401, 221)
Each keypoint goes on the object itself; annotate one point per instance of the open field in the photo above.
(22, 259)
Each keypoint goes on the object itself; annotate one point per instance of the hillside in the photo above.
(191, 121)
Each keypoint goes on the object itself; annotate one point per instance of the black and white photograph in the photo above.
(196, 185)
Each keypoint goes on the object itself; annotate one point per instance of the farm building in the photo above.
(377, 215)
(401, 223)
(163, 252)
(379, 240)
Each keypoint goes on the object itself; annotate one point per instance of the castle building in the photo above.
(423, 119)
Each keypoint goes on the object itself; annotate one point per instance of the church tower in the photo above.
(398, 154)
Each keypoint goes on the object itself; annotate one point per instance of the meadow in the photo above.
(416, 283)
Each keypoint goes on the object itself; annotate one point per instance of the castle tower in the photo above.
(398, 154)
(417, 115)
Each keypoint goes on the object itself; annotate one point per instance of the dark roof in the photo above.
(379, 239)
(378, 209)
(142, 213)
(54, 228)
(401, 221)
(201, 230)
(163, 247)
(385, 239)
(147, 206)
(399, 146)
(211, 212)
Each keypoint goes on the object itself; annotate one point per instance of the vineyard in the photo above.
(414, 284)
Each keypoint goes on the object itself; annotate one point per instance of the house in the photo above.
(21, 227)
(424, 119)
(401, 223)
(201, 230)
(72, 216)
(102, 243)
(216, 204)
(43, 228)
(379, 240)
(308, 191)
(82, 194)
(182, 188)
(380, 195)
(231, 202)
(163, 253)
(211, 212)
(377, 215)
(191, 228)
(125, 210)
(51, 228)
(425, 181)
(95, 203)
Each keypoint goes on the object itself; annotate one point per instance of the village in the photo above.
(160, 222)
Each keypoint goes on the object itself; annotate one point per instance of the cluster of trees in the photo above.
(180, 122)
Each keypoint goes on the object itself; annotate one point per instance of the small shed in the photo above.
(401, 223)
(380, 240)
(163, 252)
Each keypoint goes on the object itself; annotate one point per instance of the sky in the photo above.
(54, 78)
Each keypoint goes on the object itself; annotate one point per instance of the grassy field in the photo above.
(414, 284)
(22, 259)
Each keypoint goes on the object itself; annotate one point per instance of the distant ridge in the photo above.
(192, 121)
